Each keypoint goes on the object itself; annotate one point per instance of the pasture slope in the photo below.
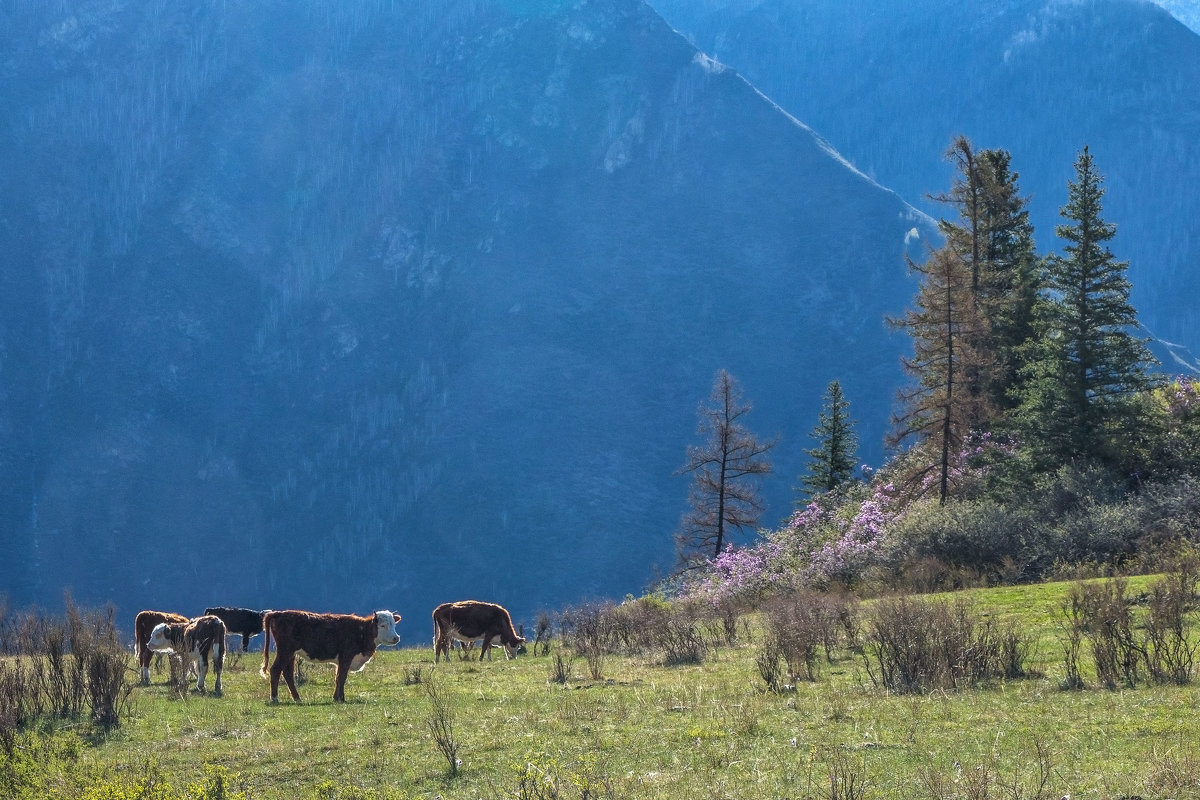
(647, 730)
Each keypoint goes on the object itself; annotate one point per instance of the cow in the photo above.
(346, 640)
(143, 626)
(245, 621)
(468, 620)
(194, 642)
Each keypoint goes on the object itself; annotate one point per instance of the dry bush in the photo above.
(681, 641)
(73, 664)
(919, 646)
(1106, 620)
(1170, 653)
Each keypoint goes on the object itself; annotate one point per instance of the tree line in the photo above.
(1021, 365)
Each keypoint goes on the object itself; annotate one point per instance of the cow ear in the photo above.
(397, 616)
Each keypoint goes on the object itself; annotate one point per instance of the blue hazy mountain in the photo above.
(889, 83)
(369, 304)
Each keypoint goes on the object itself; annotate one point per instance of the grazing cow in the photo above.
(245, 621)
(468, 620)
(346, 640)
(143, 626)
(193, 642)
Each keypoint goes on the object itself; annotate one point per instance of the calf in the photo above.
(143, 626)
(245, 621)
(346, 640)
(193, 641)
(468, 620)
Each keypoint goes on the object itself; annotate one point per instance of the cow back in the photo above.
(238, 620)
(322, 637)
(473, 619)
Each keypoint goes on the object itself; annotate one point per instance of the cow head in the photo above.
(385, 627)
(159, 642)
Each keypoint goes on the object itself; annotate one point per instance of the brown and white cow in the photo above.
(468, 620)
(143, 626)
(194, 642)
(346, 640)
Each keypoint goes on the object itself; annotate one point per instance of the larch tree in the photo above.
(724, 495)
(1087, 370)
(832, 461)
(939, 409)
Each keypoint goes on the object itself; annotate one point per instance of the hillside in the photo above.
(353, 306)
(890, 83)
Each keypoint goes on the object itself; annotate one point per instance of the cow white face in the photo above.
(158, 639)
(385, 628)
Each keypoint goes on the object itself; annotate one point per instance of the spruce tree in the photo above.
(832, 461)
(1087, 368)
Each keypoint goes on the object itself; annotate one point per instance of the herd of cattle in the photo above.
(346, 640)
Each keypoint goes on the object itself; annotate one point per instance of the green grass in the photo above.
(645, 730)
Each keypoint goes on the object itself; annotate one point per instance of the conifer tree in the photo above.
(724, 493)
(1087, 368)
(1013, 276)
(939, 410)
(831, 462)
(993, 238)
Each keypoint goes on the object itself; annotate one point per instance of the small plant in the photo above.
(415, 675)
(560, 668)
(770, 664)
(841, 778)
(441, 723)
(543, 630)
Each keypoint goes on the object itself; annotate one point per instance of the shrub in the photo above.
(919, 646)
(1103, 615)
(440, 722)
(681, 642)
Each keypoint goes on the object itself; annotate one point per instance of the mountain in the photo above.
(1186, 11)
(889, 83)
(361, 305)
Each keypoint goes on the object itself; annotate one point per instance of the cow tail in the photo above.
(266, 645)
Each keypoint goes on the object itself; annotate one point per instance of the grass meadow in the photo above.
(640, 729)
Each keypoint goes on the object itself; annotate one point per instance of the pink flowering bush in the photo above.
(833, 539)
(837, 542)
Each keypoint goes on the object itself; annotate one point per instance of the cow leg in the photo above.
(339, 689)
(246, 642)
(441, 645)
(201, 671)
(145, 654)
(289, 675)
(219, 664)
(282, 665)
